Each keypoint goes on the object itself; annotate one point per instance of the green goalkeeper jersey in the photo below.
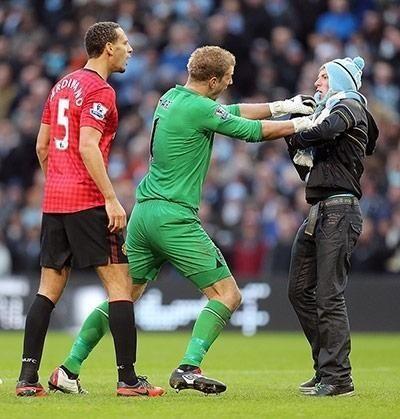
(181, 143)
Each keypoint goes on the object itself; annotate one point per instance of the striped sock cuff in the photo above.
(219, 310)
(103, 308)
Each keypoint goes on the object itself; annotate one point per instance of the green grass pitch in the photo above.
(262, 374)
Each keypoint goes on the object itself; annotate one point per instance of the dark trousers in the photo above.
(317, 279)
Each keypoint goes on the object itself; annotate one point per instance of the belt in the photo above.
(332, 201)
(339, 200)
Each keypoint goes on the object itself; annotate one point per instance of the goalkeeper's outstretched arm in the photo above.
(300, 104)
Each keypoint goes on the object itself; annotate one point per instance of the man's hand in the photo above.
(300, 104)
(302, 123)
(116, 215)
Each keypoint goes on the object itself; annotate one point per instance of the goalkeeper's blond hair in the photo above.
(208, 62)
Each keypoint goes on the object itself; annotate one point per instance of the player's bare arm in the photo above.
(93, 160)
(272, 130)
(300, 104)
(42, 146)
(255, 110)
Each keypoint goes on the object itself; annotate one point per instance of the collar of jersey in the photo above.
(185, 89)
(92, 71)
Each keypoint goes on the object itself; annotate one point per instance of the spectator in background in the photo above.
(287, 224)
(231, 10)
(218, 32)
(371, 252)
(338, 21)
(257, 21)
(286, 52)
(281, 13)
(384, 87)
(250, 251)
(372, 204)
(308, 12)
(177, 52)
(8, 90)
(52, 13)
(371, 30)
(9, 140)
(5, 258)
(392, 242)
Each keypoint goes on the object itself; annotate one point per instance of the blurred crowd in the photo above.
(253, 199)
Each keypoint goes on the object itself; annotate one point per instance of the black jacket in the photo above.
(340, 143)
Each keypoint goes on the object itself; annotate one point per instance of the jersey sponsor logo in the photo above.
(164, 103)
(222, 113)
(99, 111)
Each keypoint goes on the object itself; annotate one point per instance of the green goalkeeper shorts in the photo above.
(160, 231)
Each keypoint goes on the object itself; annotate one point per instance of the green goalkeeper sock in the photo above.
(207, 328)
(93, 329)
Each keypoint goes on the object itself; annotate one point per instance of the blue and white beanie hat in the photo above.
(345, 74)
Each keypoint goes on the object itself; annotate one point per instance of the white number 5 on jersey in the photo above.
(62, 119)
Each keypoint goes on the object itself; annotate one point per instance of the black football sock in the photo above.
(122, 327)
(187, 368)
(36, 325)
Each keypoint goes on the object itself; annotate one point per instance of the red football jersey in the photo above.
(80, 99)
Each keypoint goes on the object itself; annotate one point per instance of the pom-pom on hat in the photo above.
(344, 74)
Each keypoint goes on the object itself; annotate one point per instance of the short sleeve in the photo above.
(233, 109)
(219, 119)
(46, 115)
(97, 107)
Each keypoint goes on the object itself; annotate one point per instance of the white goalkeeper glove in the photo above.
(302, 123)
(300, 104)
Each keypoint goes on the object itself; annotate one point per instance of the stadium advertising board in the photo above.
(172, 303)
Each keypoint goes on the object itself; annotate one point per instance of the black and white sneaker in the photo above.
(308, 387)
(195, 380)
(323, 390)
